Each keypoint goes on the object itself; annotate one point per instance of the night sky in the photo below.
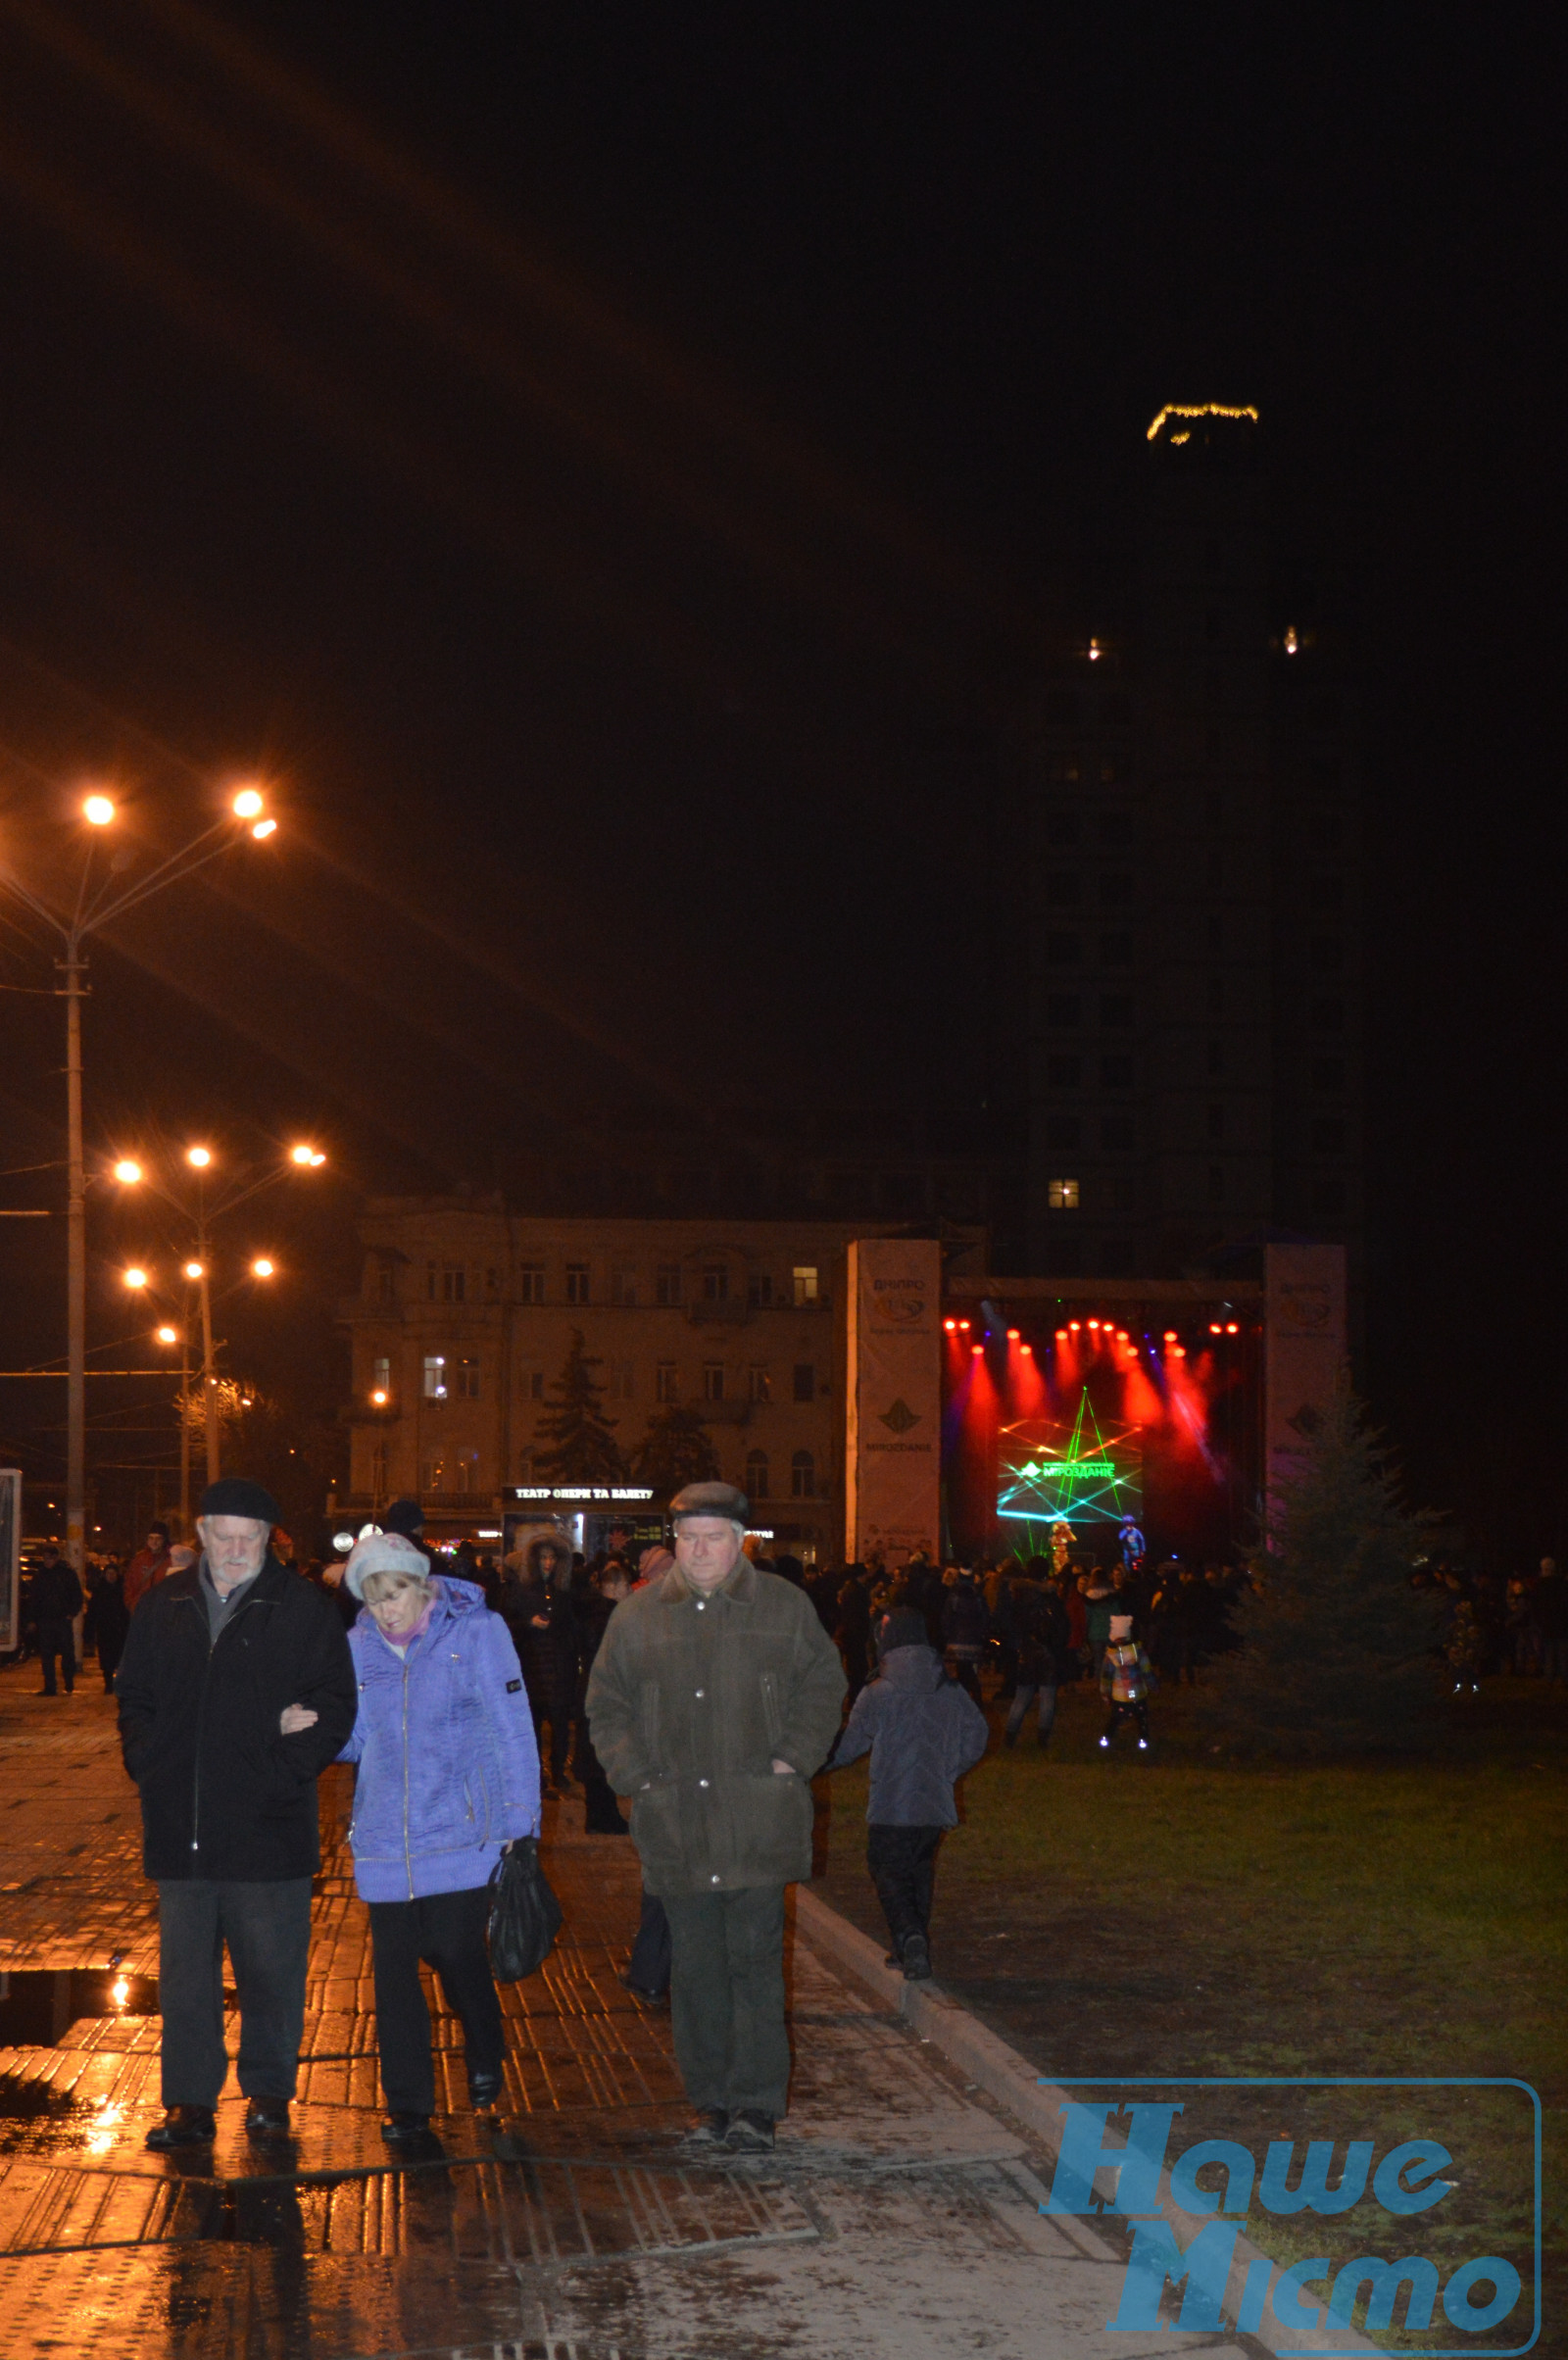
(614, 468)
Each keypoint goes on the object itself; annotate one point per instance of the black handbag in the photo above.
(524, 1914)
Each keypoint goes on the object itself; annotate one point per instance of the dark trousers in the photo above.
(1027, 1691)
(1117, 1713)
(649, 1970)
(966, 1672)
(601, 1811)
(727, 1998)
(57, 1637)
(903, 1864)
(268, 1929)
(447, 1930)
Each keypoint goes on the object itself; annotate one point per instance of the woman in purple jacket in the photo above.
(448, 1777)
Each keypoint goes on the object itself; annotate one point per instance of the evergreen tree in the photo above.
(675, 1451)
(1335, 1651)
(583, 1441)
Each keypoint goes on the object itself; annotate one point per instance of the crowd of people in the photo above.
(1517, 1624)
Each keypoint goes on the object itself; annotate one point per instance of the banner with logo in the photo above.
(893, 1458)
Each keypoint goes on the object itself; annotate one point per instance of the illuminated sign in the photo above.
(578, 1491)
(1070, 1471)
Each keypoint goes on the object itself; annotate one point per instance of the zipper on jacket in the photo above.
(408, 1856)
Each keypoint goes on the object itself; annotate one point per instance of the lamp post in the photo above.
(95, 909)
(197, 1274)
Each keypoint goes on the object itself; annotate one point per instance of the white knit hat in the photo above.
(384, 1553)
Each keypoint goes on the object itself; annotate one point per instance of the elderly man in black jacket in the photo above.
(236, 1688)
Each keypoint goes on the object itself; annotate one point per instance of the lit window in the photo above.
(802, 1476)
(465, 1380)
(435, 1377)
(713, 1380)
(755, 1475)
(666, 1385)
(805, 1380)
(668, 1286)
(467, 1470)
(715, 1282)
(381, 1373)
(759, 1384)
(577, 1282)
(432, 1475)
(760, 1290)
(805, 1275)
(1062, 1196)
(531, 1282)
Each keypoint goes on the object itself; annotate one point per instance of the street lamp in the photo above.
(98, 904)
(203, 1164)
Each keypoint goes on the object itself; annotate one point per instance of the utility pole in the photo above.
(208, 1369)
(72, 967)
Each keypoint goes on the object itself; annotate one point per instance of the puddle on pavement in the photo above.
(39, 2004)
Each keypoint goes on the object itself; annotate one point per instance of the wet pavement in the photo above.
(897, 2215)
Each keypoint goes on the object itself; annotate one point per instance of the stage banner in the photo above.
(1305, 1316)
(893, 1458)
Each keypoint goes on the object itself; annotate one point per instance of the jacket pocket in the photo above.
(772, 1713)
(648, 1720)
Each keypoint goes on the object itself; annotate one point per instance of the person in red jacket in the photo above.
(149, 1566)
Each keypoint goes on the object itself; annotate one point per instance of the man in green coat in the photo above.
(715, 1697)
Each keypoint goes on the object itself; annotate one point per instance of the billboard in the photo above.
(893, 1456)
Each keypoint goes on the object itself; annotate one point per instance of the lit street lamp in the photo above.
(197, 1271)
(98, 904)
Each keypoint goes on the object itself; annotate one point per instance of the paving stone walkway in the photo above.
(898, 2217)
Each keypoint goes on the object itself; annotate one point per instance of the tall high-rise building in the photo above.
(1192, 816)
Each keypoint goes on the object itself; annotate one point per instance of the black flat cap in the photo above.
(710, 1499)
(237, 1495)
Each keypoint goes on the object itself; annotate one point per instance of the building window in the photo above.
(760, 1290)
(1064, 1131)
(759, 1384)
(1065, 950)
(805, 1277)
(532, 1384)
(1063, 1074)
(622, 1382)
(1216, 937)
(1216, 1184)
(386, 1284)
(666, 1286)
(1116, 950)
(1216, 1056)
(802, 1476)
(454, 1282)
(1216, 995)
(382, 1374)
(666, 1387)
(755, 1475)
(1063, 1010)
(467, 1470)
(435, 1377)
(1117, 885)
(1116, 1072)
(492, 1286)
(531, 1282)
(624, 1287)
(465, 1380)
(577, 1282)
(433, 1475)
(1117, 1131)
(805, 1380)
(713, 1380)
(1115, 1010)
(378, 1471)
(715, 1282)
(1216, 1122)
(432, 1278)
(1064, 771)
(1062, 1196)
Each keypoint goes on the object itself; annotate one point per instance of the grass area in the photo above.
(1187, 1916)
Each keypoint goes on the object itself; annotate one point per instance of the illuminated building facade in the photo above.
(1192, 816)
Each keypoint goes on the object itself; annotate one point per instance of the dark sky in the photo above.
(610, 466)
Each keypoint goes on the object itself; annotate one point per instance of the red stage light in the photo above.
(1178, 1352)
(1121, 1335)
(1170, 1335)
(1062, 1335)
(1075, 1325)
(964, 1327)
(1028, 1350)
(975, 1351)
(1093, 1323)
(1234, 1328)
(1013, 1335)
(1215, 1328)
(950, 1325)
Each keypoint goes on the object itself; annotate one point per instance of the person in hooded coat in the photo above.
(447, 1778)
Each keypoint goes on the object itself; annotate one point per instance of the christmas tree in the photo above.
(1337, 1649)
(675, 1451)
(581, 1444)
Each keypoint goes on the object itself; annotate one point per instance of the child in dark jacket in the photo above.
(922, 1731)
(1126, 1682)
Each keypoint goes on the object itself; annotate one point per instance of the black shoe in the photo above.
(184, 2126)
(751, 2131)
(266, 2118)
(640, 1991)
(709, 2128)
(484, 2091)
(915, 1958)
(893, 1959)
(406, 2130)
